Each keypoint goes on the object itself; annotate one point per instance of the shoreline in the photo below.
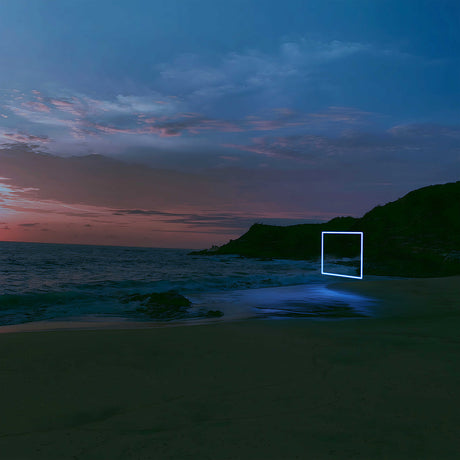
(103, 324)
(376, 389)
(238, 305)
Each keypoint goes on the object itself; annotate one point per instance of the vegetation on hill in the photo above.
(417, 235)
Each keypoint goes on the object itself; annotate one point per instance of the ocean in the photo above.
(73, 282)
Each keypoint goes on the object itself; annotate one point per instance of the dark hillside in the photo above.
(416, 235)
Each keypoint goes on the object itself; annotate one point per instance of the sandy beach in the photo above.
(379, 388)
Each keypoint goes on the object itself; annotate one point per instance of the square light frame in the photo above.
(360, 277)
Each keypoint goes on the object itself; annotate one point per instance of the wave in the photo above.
(40, 282)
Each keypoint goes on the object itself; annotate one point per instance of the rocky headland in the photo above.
(417, 235)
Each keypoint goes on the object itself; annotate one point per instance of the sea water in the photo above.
(68, 282)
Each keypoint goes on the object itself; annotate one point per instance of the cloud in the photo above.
(50, 119)
(60, 191)
(101, 181)
(83, 118)
(197, 114)
(427, 140)
(94, 185)
(143, 212)
(301, 148)
(219, 222)
(243, 72)
(305, 178)
(425, 131)
(193, 124)
(193, 97)
(330, 119)
(343, 114)
(100, 118)
(194, 84)
(72, 106)
(26, 138)
(36, 106)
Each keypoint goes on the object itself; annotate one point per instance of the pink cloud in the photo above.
(38, 95)
(26, 138)
(191, 122)
(289, 118)
(154, 119)
(36, 106)
(65, 106)
(162, 132)
(294, 147)
(85, 127)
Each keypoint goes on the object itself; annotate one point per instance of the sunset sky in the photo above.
(179, 123)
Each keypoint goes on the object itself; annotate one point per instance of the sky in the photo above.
(180, 123)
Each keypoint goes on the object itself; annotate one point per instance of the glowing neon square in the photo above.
(360, 277)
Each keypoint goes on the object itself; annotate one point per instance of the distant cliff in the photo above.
(416, 235)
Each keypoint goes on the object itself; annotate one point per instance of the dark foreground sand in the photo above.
(386, 388)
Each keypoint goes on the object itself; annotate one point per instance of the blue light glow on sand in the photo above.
(315, 301)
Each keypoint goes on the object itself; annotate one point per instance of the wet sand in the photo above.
(380, 388)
